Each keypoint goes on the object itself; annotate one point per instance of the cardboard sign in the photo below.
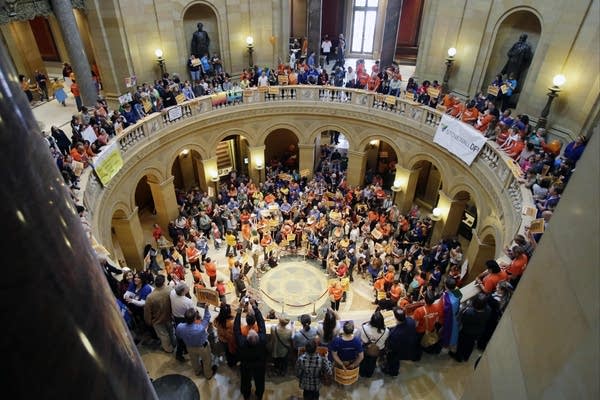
(248, 93)
(305, 172)
(77, 167)
(493, 90)
(209, 296)
(147, 104)
(195, 62)
(180, 98)
(504, 88)
(263, 89)
(282, 79)
(537, 226)
(291, 237)
(391, 100)
(274, 90)
(529, 211)
(433, 92)
(409, 96)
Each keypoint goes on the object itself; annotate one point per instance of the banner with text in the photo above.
(459, 139)
(108, 162)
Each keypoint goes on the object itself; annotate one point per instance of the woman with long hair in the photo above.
(373, 335)
(224, 325)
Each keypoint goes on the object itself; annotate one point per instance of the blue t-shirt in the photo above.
(347, 350)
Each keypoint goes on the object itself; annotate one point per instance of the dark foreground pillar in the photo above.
(63, 10)
(62, 334)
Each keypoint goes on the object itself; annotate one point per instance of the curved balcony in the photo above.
(409, 127)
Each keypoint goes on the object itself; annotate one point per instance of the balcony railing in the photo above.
(497, 168)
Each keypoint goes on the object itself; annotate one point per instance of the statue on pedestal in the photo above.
(519, 58)
(200, 42)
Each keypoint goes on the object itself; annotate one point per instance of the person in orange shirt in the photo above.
(517, 266)
(449, 101)
(335, 295)
(77, 95)
(379, 287)
(484, 121)
(211, 270)
(489, 279)
(515, 149)
(457, 109)
(193, 256)
(373, 83)
(78, 153)
(397, 291)
(426, 318)
(389, 278)
(470, 114)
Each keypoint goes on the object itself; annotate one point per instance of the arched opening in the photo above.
(468, 220)
(201, 13)
(428, 185)
(331, 152)
(233, 155)
(143, 196)
(116, 244)
(281, 149)
(380, 164)
(187, 170)
(507, 34)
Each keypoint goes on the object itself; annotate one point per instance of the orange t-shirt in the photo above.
(246, 328)
(265, 241)
(395, 292)
(336, 292)
(470, 115)
(379, 284)
(491, 280)
(389, 276)
(75, 89)
(517, 266)
(192, 254)
(211, 268)
(426, 317)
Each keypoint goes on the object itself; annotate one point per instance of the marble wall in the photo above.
(569, 35)
(546, 345)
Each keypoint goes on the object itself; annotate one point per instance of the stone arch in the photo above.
(172, 155)
(214, 25)
(149, 172)
(508, 27)
(280, 125)
(120, 210)
(377, 136)
(250, 138)
(474, 195)
(331, 127)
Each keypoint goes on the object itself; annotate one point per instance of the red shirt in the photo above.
(517, 266)
(491, 280)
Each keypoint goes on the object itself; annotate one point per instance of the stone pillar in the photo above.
(131, 239)
(452, 211)
(307, 158)
(408, 182)
(210, 172)
(186, 165)
(63, 10)
(23, 49)
(314, 27)
(112, 56)
(256, 163)
(165, 202)
(83, 336)
(390, 32)
(357, 161)
(478, 253)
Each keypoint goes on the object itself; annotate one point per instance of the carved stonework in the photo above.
(24, 10)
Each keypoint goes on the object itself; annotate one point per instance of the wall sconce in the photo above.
(250, 46)
(449, 62)
(436, 214)
(160, 60)
(185, 152)
(373, 143)
(557, 82)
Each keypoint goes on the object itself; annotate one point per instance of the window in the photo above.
(363, 25)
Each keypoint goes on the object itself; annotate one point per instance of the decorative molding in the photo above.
(24, 10)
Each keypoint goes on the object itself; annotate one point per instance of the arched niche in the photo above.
(381, 161)
(187, 170)
(507, 33)
(469, 217)
(233, 155)
(281, 147)
(327, 143)
(428, 185)
(206, 15)
(143, 196)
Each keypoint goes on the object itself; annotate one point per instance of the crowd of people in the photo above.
(355, 233)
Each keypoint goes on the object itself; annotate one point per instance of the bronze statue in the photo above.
(200, 42)
(519, 58)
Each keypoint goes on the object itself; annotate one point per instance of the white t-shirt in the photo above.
(326, 46)
(180, 304)
(263, 80)
(372, 335)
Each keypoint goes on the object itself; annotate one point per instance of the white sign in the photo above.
(460, 139)
(89, 134)
(175, 113)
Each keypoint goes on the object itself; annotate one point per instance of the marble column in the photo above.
(357, 162)
(21, 45)
(165, 202)
(211, 172)
(63, 10)
(307, 158)
(408, 183)
(256, 163)
(390, 31)
(452, 211)
(72, 341)
(314, 27)
(130, 235)
(478, 253)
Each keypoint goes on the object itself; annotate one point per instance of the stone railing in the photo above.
(492, 167)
